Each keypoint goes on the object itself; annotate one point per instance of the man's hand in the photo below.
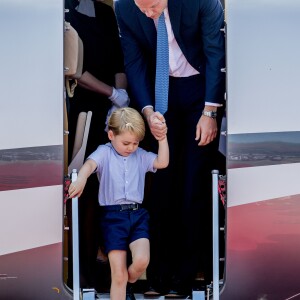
(157, 123)
(206, 130)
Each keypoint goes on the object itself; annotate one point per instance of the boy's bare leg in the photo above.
(119, 274)
(140, 251)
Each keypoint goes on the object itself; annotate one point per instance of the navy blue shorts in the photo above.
(122, 227)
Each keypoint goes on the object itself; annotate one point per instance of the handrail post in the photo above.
(75, 243)
(215, 193)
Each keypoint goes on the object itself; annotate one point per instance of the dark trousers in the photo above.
(180, 196)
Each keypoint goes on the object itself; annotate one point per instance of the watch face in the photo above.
(210, 114)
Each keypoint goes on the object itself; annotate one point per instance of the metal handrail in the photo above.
(75, 242)
(216, 256)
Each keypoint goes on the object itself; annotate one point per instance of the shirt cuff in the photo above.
(213, 104)
(146, 107)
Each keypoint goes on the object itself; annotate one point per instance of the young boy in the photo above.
(121, 167)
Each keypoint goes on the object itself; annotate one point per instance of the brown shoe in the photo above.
(151, 292)
(172, 294)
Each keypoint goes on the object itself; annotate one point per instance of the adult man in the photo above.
(180, 196)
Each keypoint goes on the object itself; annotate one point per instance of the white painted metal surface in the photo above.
(24, 220)
(215, 226)
(263, 65)
(262, 183)
(28, 30)
(263, 88)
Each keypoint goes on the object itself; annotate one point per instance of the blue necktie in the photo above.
(162, 67)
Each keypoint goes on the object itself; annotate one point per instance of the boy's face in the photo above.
(124, 143)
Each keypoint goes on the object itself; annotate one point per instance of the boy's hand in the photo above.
(157, 125)
(76, 188)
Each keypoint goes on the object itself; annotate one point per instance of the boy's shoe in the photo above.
(129, 292)
(102, 257)
(173, 294)
(151, 292)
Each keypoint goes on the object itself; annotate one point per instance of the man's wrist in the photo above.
(147, 111)
(210, 108)
(209, 113)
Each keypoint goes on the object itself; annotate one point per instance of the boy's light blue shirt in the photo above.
(122, 179)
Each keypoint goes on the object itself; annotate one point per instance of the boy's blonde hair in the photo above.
(127, 119)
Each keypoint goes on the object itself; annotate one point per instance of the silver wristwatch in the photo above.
(210, 114)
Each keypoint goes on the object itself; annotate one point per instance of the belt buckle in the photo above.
(123, 207)
(136, 206)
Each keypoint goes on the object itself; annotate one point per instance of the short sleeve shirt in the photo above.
(122, 179)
